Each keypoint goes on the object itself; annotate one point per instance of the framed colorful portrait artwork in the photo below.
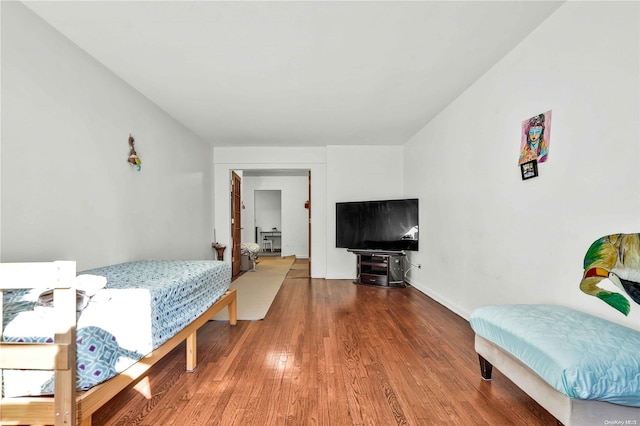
(535, 138)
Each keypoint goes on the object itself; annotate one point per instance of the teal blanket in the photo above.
(580, 355)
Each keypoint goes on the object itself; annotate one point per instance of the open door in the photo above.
(309, 213)
(236, 226)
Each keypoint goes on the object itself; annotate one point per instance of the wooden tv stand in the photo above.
(380, 268)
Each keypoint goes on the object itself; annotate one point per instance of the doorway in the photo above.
(268, 221)
(236, 223)
(294, 207)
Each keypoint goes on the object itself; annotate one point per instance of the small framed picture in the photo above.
(529, 169)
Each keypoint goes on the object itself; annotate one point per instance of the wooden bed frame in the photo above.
(69, 407)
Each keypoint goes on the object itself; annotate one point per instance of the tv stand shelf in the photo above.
(380, 268)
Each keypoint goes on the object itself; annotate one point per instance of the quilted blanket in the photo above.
(143, 304)
(580, 355)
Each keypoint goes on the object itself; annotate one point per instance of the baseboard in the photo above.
(453, 307)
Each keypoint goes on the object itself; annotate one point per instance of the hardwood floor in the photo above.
(329, 353)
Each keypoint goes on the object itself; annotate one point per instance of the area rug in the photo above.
(255, 290)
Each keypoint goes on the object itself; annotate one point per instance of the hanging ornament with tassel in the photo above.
(134, 160)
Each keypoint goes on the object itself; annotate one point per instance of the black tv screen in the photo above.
(378, 225)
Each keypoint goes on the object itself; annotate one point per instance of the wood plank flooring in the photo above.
(329, 352)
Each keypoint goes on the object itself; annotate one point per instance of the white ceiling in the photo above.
(307, 73)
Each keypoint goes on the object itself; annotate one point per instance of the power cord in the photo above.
(413, 265)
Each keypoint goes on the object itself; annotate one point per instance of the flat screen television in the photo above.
(390, 225)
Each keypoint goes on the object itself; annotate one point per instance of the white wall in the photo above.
(486, 236)
(0, 140)
(338, 173)
(267, 209)
(358, 173)
(291, 212)
(67, 190)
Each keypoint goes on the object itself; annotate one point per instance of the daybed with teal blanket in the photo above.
(581, 368)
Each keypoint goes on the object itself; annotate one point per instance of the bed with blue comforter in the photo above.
(142, 305)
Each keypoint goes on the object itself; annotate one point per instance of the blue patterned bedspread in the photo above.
(143, 304)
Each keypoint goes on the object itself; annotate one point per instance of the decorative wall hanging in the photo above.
(529, 169)
(535, 138)
(133, 159)
(616, 257)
